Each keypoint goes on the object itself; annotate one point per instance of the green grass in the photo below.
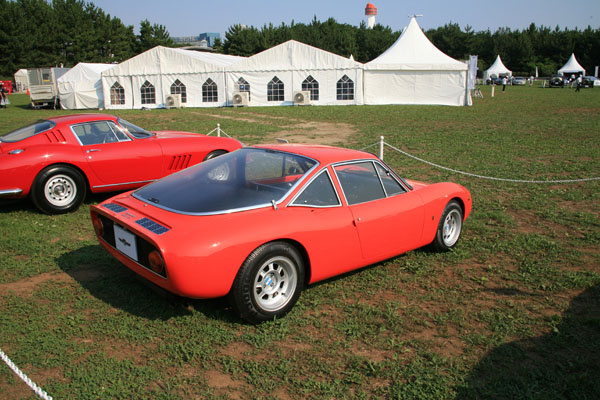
(512, 312)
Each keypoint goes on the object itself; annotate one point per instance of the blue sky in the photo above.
(191, 17)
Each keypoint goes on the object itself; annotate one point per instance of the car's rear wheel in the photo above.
(269, 282)
(58, 190)
(213, 154)
(449, 227)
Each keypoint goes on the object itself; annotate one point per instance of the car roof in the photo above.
(77, 118)
(321, 153)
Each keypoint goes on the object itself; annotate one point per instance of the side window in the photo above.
(390, 184)
(360, 182)
(99, 132)
(319, 193)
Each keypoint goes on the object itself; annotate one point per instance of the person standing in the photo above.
(504, 80)
(3, 98)
(579, 82)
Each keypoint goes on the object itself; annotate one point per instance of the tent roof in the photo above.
(498, 67)
(293, 55)
(21, 72)
(414, 51)
(84, 71)
(571, 66)
(168, 60)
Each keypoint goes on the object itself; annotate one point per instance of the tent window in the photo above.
(209, 92)
(243, 86)
(117, 94)
(311, 85)
(345, 88)
(275, 90)
(179, 88)
(148, 93)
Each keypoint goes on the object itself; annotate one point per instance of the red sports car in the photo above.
(260, 223)
(57, 160)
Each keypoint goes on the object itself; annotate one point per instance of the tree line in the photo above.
(38, 33)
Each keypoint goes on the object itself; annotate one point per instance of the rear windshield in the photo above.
(244, 179)
(28, 131)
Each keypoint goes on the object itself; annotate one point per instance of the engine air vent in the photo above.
(114, 207)
(152, 226)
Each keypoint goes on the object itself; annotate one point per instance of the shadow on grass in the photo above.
(564, 364)
(109, 281)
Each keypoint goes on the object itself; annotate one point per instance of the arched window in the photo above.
(209, 92)
(275, 90)
(312, 86)
(117, 94)
(148, 93)
(179, 88)
(345, 88)
(243, 86)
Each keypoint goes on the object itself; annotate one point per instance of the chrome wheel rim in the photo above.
(275, 283)
(60, 190)
(452, 227)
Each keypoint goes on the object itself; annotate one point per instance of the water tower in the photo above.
(370, 12)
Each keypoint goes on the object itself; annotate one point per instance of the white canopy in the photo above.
(497, 68)
(414, 71)
(298, 67)
(162, 71)
(21, 80)
(81, 87)
(572, 67)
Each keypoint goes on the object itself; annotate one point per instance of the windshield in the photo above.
(244, 179)
(28, 131)
(135, 130)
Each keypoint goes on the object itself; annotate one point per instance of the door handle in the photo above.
(92, 150)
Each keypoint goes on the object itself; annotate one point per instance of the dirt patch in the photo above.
(224, 385)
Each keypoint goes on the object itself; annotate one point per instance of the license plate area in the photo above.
(125, 242)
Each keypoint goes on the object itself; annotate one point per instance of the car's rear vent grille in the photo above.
(180, 162)
(152, 226)
(114, 207)
(55, 136)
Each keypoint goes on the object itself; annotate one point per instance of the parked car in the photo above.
(57, 160)
(557, 81)
(260, 223)
(590, 81)
(519, 80)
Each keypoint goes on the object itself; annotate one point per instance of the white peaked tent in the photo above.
(414, 71)
(572, 67)
(21, 80)
(274, 76)
(81, 87)
(497, 68)
(162, 71)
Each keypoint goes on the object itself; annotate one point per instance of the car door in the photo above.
(387, 216)
(116, 158)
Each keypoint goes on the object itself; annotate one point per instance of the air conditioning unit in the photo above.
(302, 98)
(173, 101)
(240, 99)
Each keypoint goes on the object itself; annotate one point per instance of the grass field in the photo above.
(512, 313)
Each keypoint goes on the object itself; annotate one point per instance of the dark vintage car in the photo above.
(590, 81)
(557, 81)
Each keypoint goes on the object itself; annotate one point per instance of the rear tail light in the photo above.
(157, 264)
(98, 226)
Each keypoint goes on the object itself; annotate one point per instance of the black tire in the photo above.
(269, 283)
(449, 227)
(58, 189)
(214, 153)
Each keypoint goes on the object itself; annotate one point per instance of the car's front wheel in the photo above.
(58, 190)
(269, 282)
(449, 227)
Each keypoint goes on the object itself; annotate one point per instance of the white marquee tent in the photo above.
(144, 81)
(274, 76)
(21, 80)
(81, 87)
(572, 67)
(414, 71)
(497, 68)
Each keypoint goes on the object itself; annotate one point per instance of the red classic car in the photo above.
(260, 223)
(57, 160)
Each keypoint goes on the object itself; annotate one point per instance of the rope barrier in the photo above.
(24, 378)
(481, 176)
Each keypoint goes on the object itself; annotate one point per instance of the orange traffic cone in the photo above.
(27, 91)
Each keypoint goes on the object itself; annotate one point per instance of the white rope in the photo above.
(483, 176)
(24, 378)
